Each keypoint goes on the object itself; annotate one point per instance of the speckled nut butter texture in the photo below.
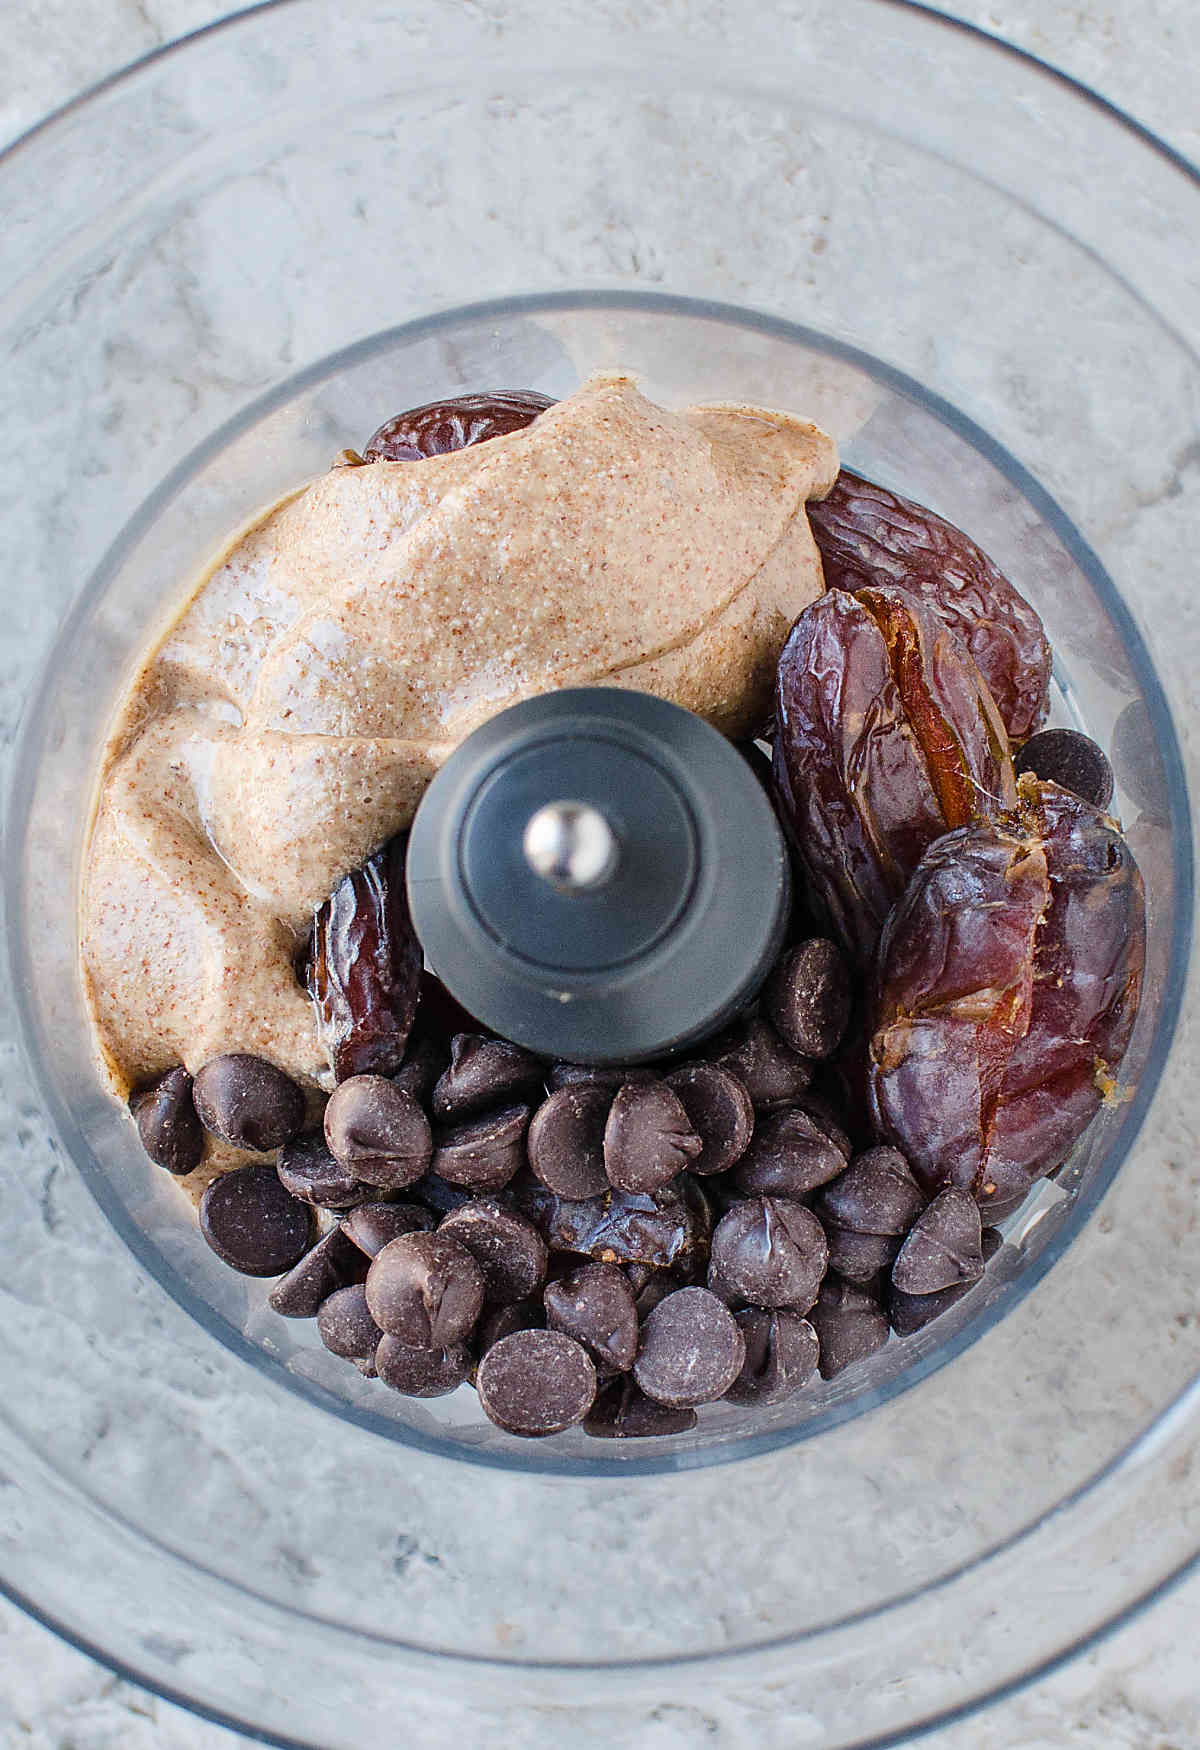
(338, 652)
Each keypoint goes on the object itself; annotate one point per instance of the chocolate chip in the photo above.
(599, 1075)
(647, 1138)
(167, 1125)
(332, 1263)
(849, 1323)
(308, 1170)
(507, 1247)
(622, 1411)
(691, 1350)
(246, 1101)
(944, 1247)
(770, 1251)
(425, 1289)
(859, 1257)
(372, 1226)
(877, 1194)
(789, 1156)
(595, 1306)
(424, 1060)
(566, 1141)
(346, 1325)
(253, 1224)
(437, 1196)
(483, 1153)
(912, 1312)
(808, 997)
(781, 1355)
(770, 1071)
(484, 1073)
(502, 1321)
(1070, 759)
(823, 1114)
(422, 1373)
(718, 1109)
(650, 1285)
(536, 1382)
(378, 1132)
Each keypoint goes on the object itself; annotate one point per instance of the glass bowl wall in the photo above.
(849, 214)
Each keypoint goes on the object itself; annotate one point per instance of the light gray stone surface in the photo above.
(1140, 1690)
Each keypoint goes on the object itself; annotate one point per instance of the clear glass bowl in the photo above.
(848, 213)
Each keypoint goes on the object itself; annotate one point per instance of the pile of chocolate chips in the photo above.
(607, 1246)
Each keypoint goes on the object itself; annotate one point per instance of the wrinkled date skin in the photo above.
(886, 738)
(441, 427)
(868, 536)
(364, 968)
(1008, 986)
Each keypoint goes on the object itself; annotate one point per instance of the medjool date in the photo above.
(887, 737)
(869, 536)
(440, 427)
(1009, 980)
(364, 968)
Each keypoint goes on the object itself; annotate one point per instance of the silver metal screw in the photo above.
(571, 845)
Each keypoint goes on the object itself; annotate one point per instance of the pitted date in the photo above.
(440, 427)
(1008, 986)
(364, 968)
(886, 738)
(670, 1228)
(868, 536)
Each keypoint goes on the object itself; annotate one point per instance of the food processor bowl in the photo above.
(845, 209)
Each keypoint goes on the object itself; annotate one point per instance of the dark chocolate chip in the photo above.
(483, 1153)
(507, 1247)
(424, 1060)
(650, 1285)
(622, 1411)
(246, 1101)
(718, 1109)
(647, 1138)
(850, 1325)
(566, 1141)
(599, 1075)
(332, 1263)
(691, 1350)
(944, 1247)
(372, 1226)
(253, 1224)
(781, 1355)
(437, 1196)
(808, 997)
(595, 1306)
(822, 1112)
(167, 1124)
(425, 1289)
(859, 1257)
(422, 1373)
(346, 1325)
(378, 1132)
(1070, 759)
(502, 1321)
(536, 1382)
(484, 1073)
(308, 1170)
(770, 1071)
(769, 1251)
(912, 1312)
(877, 1194)
(789, 1156)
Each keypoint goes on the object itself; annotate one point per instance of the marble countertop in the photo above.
(1139, 1689)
